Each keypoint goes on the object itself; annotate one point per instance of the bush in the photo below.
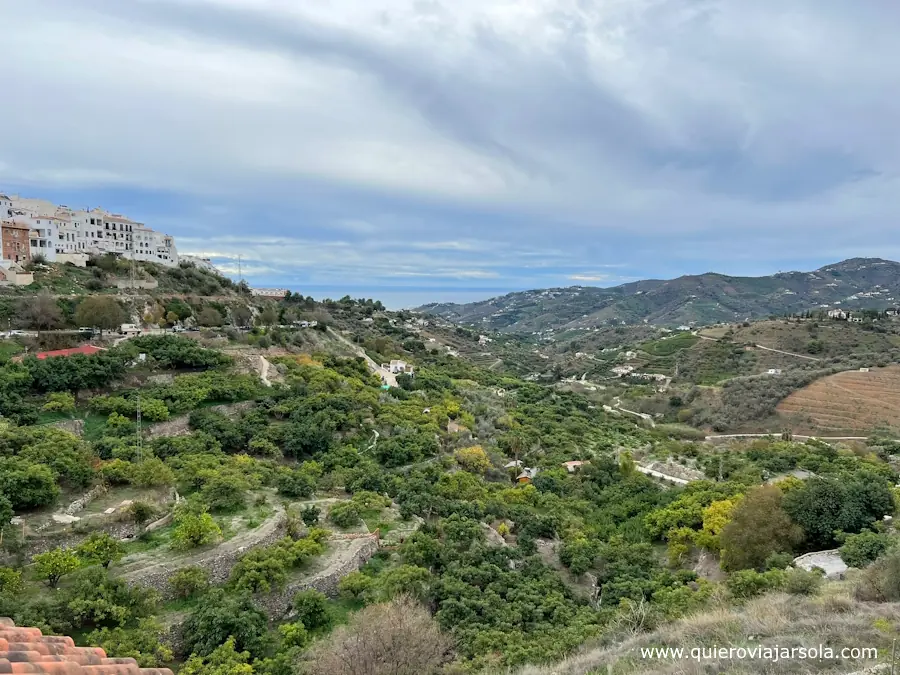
(225, 492)
(60, 401)
(295, 484)
(344, 514)
(220, 615)
(311, 609)
(189, 582)
(100, 549)
(745, 584)
(194, 529)
(400, 632)
(356, 586)
(864, 548)
(880, 581)
(474, 459)
(801, 582)
(310, 515)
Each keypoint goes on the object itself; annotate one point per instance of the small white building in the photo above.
(5, 206)
(396, 367)
(43, 234)
(773, 371)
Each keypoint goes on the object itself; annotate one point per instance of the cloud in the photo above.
(366, 142)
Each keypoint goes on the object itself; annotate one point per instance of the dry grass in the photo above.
(851, 400)
(833, 619)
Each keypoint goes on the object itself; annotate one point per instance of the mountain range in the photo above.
(693, 299)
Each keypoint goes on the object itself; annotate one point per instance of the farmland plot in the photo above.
(851, 400)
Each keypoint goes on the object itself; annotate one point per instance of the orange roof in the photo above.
(27, 650)
(83, 349)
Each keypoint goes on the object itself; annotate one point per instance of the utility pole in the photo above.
(140, 439)
(240, 273)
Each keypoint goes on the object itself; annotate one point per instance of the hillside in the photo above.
(274, 485)
(697, 299)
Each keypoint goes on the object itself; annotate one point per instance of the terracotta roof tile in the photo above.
(27, 650)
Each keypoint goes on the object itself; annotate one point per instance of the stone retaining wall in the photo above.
(218, 563)
(278, 604)
(84, 500)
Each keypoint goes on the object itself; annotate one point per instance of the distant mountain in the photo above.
(701, 299)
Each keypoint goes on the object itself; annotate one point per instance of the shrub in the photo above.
(194, 529)
(880, 581)
(189, 582)
(295, 484)
(801, 582)
(310, 515)
(355, 586)
(60, 401)
(225, 492)
(745, 584)
(311, 609)
(397, 637)
(474, 459)
(864, 548)
(344, 514)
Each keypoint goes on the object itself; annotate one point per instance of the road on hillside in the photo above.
(386, 376)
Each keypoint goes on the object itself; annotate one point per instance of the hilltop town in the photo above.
(39, 229)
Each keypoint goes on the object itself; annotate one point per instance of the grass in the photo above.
(832, 618)
(668, 346)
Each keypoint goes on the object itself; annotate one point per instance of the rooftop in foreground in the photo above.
(27, 650)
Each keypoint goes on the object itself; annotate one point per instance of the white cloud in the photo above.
(517, 140)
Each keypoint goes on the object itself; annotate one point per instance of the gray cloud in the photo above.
(585, 132)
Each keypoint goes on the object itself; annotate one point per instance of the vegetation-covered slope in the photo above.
(701, 299)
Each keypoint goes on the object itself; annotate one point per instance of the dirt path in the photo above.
(779, 351)
(386, 376)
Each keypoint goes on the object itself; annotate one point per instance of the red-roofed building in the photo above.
(87, 350)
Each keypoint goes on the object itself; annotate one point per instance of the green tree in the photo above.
(100, 549)
(268, 316)
(27, 485)
(295, 483)
(311, 609)
(473, 459)
(224, 660)
(59, 401)
(10, 581)
(344, 514)
(100, 311)
(53, 565)
(859, 550)
(356, 586)
(220, 615)
(759, 526)
(210, 317)
(310, 515)
(189, 582)
(825, 506)
(141, 643)
(194, 529)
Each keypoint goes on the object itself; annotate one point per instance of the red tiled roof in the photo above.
(27, 650)
(83, 349)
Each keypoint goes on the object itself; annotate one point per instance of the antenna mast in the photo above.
(140, 439)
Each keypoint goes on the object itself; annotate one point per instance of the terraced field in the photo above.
(849, 401)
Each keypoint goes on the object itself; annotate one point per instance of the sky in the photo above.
(452, 150)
